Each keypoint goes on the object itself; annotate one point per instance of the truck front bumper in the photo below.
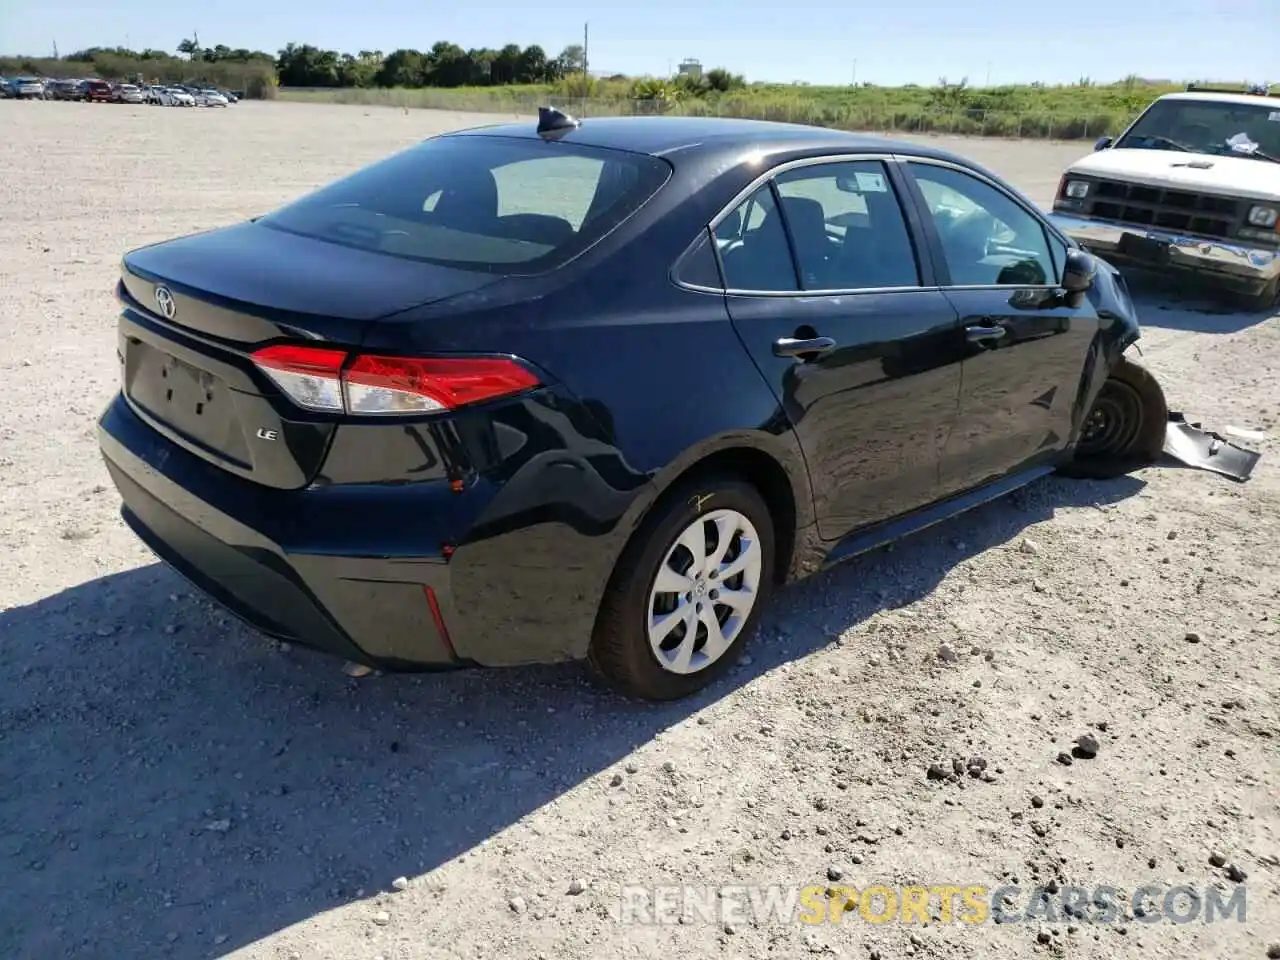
(1243, 267)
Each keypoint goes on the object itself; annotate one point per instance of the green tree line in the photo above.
(518, 78)
(443, 65)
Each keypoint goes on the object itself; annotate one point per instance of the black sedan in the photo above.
(528, 393)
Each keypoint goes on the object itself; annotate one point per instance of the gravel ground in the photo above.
(173, 785)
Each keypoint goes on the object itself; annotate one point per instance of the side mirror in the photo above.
(1079, 271)
(1102, 143)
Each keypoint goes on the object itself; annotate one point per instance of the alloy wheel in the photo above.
(704, 591)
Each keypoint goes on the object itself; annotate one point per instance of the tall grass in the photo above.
(1070, 112)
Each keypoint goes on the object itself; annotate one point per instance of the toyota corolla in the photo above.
(591, 390)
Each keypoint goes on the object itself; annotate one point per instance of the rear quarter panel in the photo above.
(663, 380)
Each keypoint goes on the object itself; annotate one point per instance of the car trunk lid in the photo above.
(196, 309)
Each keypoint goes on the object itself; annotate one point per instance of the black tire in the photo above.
(1125, 428)
(1265, 299)
(620, 650)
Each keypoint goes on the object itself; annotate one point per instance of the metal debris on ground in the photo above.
(1191, 444)
(1248, 436)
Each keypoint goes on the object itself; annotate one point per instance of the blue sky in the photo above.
(892, 42)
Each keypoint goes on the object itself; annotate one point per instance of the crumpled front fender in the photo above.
(1118, 330)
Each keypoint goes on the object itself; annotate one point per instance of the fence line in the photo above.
(879, 118)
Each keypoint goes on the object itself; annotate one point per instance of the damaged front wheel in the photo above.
(1125, 428)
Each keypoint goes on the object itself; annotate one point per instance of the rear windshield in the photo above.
(495, 204)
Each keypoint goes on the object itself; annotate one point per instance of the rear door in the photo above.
(1026, 342)
(827, 292)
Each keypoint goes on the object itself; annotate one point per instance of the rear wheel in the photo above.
(1125, 427)
(688, 591)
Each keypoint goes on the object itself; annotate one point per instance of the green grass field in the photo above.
(1081, 111)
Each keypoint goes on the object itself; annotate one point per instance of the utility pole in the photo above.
(585, 38)
(854, 80)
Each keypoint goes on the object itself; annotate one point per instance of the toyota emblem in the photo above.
(164, 301)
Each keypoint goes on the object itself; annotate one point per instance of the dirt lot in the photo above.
(173, 785)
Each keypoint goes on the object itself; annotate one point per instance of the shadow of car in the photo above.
(169, 776)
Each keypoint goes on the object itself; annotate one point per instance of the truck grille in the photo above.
(1197, 213)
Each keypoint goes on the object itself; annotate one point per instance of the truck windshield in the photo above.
(1208, 126)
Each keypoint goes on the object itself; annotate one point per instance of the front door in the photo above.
(1026, 341)
(825, 291)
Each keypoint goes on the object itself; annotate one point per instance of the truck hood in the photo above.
(1237, 177)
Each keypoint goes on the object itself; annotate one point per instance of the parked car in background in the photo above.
(26, 88)
(64, 90)
(95, 91)
(1191, 187)
(231, 97)
(127, 93)
(399, 422)
(210, 98)
(178, 97)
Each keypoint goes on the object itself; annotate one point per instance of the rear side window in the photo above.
(847, 227)
(493, 204)
(753, 247)
(698, 267)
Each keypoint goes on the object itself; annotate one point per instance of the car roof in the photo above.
(665, 136)
(1247, 99)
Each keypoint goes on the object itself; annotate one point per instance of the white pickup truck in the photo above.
(1192, 186)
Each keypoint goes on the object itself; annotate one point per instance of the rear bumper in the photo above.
(340, 569)
(1240, 266)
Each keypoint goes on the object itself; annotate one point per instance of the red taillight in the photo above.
(313, 377)
(418, 385)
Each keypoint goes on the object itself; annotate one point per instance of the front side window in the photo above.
(494, 204)
(1059, 251)
(1208, 126)
(847, 227)
(988, 239)
(753, 247)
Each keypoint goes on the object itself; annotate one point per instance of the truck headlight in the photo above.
(1077, 189)
(1262, 217)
